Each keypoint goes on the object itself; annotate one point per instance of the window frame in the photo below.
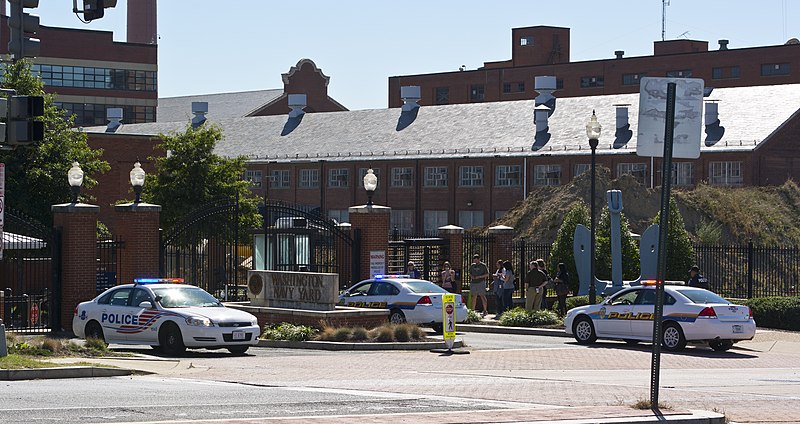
(470, 176)
(430, 176)
(543, 175)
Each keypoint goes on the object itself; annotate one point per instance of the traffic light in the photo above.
(94, 9)
(23, 27)
(21, 126)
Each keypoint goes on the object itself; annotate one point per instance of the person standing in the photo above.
(548, 282)
(448, 278)
(562, 288)
(478, 274)
(412, 270)
(508, 286)
(696, 279)
(497, 288)
(535, 279)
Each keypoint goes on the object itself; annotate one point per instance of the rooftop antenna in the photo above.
(664, 4)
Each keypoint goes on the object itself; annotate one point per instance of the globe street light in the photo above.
(593, 132)
(370, 184)
(75, 178)
(137, 180)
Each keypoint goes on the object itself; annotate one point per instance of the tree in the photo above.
(562, 249)
(630, 249)
(36, 175)
(192, 176)
(680, 252)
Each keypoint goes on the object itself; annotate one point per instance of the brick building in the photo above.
(545, 50)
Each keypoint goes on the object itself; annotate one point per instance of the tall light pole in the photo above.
(593, 132)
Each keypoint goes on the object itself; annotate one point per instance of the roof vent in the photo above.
(623, 133)
(714, 131)
(297, 102)
(410, 95)
(723, 44)
(545, 86)
(199, 110)
(540, 117)
(114, 117)
(619, 53)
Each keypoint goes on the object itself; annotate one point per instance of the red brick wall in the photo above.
(138, 229)
(142, 22)
(374, 226)
(304, 78)
(78, 258)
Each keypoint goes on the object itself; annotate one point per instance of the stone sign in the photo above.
(293, 290)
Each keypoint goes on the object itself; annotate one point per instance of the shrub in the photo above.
(382, 334)
(544, 317)
(416, 333)
(401, 333)
(341, 334)
(575, 301)
(51, 345)
(359, 334)
(96, 345)
(519, 317)
(776, 312)
(291, 332)
(473, 316)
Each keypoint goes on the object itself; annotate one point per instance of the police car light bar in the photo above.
(667, 283)
(382, 276)
(158, 280)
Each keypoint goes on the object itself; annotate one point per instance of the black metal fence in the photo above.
(109, 263)
(475, 244)
(427, 253)
(523, 252)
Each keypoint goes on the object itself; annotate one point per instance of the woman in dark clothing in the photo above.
(562, 288)
(508, 286)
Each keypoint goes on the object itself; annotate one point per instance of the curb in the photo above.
(62, 372)
(356, 346)
(497, 329)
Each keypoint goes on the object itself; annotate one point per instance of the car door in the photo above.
(642, 317)
(113, 309)
(358, 296)
(136, 331)
(381, 294)
(615, 315)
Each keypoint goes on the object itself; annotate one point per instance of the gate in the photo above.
(30, 274)
(297, 238)
(203, 249)
(480, 244)
(428, 255)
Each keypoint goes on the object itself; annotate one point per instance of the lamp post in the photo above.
(593, 132)
(75, 178)
(370, 184)
(137, 180)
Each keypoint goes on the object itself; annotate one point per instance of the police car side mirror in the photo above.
(146, 304)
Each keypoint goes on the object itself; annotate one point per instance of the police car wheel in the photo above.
(720, 345)
(673, 338)
(397, 317)
(94, 331)
(438, 328)
(238, 350)
(583, 329)
(171, 339)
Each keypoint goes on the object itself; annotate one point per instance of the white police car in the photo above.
(691, 315)
(165, 314)
(407, 299)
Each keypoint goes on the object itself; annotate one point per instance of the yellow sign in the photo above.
(449, 319)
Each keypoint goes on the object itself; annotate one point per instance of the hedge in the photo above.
(776, 312)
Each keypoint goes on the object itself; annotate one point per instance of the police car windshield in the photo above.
(702, 296)
(185, 297)
(423, 287)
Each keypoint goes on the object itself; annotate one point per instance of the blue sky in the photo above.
(212, 46)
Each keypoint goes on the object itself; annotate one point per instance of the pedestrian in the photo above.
(548, 281)
(562, 288)
(412, 270)
(696, 279)
(478, 274)
(535, 279)
(448, 278)
(508, 286)
(497, 289)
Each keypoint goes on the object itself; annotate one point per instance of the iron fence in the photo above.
(109, 263)
(475, 244)
(524, 251)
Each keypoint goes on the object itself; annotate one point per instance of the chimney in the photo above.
(619, 53)
(199, 110)
(114, 117)
(712, 112)
(723, 44)
(545, 86)
(540, 115)
(297, 102)
(622, 115)
(410, 95)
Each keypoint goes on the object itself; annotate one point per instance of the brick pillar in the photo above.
(78, 225)
(455, 236)
(137, 227)
(373, 222)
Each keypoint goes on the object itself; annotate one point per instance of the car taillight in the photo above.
(424, 300)
(76, 311)
(750, 312)
(708, 312)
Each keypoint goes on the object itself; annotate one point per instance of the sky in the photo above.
(226, 46)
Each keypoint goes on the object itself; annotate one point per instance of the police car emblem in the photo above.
(603, 312)
(82, 316)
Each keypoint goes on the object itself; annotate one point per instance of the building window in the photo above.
(279, 178)
(526, 41)
(309, 178)
(770, 69)
(580, 168)
(726, 173)
(402, 219)
(435, 176)
(469, 219)
(476, 93)
(338, 215)
(338, 177)
(92, 114)
(102, 78)
(521, 87)
(682, 73)
(442, 95)
(631, 79)
(559, 83)
(499, 214)
(506, 87)
(547, 175)
(254, 177)
(683, 173)
(589, 82)
(508, 175)
(471, 176)
(637, 170)
(401, 177)
(434, 220)
(725, 72)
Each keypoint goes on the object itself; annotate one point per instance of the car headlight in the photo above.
(254, 322)
(199, 322)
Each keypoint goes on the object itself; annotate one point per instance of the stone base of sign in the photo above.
(341, 316)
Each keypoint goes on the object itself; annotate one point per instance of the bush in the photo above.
(776, 312)
(575, 301)
(359, 334)
(473, 316)
(401, 333)
(291, 332)
(383, 334)
(341, 334)
(519, 317)
(96, 344)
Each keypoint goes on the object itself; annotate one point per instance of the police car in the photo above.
(166, 314)
(691, 315)
(407, 299)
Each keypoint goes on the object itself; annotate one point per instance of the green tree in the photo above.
(562, 249)
(630, 249)
(36, 175)
(680, 252)
(192, 175)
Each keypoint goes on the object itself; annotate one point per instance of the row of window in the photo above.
(720, 173)
(104, 78)
(403, 219)
(90, 114)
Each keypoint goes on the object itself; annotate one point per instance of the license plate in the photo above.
(737, 329)
(239, 335)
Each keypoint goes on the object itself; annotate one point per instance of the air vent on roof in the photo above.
(623, 133)
(199, 110)
(410, 95)
(540, 118)
(714, 131)
(297, 102)
(545, 86)
(723, 44)
(619, 53)
(114, 117)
